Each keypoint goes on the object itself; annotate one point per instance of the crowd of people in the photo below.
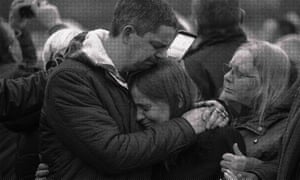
(111, 104)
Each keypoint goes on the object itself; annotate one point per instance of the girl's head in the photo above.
(162, 92)
(259, 76)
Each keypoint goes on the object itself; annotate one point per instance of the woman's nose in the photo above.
(140, 115)
(228, 77)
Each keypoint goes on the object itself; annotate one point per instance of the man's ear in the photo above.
(127, 33)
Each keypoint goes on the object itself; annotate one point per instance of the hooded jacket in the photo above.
(88, 124)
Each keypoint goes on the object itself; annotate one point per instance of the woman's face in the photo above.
(149, 112)
(242, 81)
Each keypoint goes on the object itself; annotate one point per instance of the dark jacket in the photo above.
(85, 125)
(205, 64)
(19, 130)
(289, 164)
(201, 161)
(264, 141)
(19, 97)
(24, 129)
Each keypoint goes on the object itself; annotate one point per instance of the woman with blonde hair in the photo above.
(256, 90)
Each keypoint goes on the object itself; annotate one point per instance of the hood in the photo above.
(93, 48)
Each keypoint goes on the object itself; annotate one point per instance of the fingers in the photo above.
(228, 156)
(41, 173)
(218, 118)
(224, 122)
(226, 164)
(229, 175)
(40, 178)
(42, 166)
(236, 150)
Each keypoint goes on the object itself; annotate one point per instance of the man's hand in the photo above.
(217, 116)
(238, 161)
(15, 19)
(195, 118)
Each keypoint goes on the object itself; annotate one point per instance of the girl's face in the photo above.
(149, 112)
(242, 81)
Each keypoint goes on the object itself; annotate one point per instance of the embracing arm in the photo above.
(85, 127)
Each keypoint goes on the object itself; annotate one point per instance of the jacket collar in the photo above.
(94, 49)
(252, 123)
(232, 35)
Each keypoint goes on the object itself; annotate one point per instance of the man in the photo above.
(218, 23)
(88, 125)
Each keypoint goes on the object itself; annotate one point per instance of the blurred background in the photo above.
(93, 14)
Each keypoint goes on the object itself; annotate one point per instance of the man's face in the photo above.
(140, 48)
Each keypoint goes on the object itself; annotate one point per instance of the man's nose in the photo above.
(161, 53)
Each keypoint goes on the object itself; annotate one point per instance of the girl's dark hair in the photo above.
(166, 81)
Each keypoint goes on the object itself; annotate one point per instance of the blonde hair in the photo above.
(58, 42)
(274, 67)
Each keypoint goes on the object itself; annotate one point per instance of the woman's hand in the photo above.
(238, 161)
(42, 172)
(238, 175)
(215, 114)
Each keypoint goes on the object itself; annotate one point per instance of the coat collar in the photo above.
(94, 49)
(234, 35)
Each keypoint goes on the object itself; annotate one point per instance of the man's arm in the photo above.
(22, 96)
(85, 127)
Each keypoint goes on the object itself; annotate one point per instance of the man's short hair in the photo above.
(144, 15)
(216, 14)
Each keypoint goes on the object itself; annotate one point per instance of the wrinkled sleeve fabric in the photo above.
(86, 128)
(22, 96)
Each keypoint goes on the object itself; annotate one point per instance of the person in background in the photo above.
(257, 89)
(276, 28)
(20, 98)
(291, 45)
(219, 28)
